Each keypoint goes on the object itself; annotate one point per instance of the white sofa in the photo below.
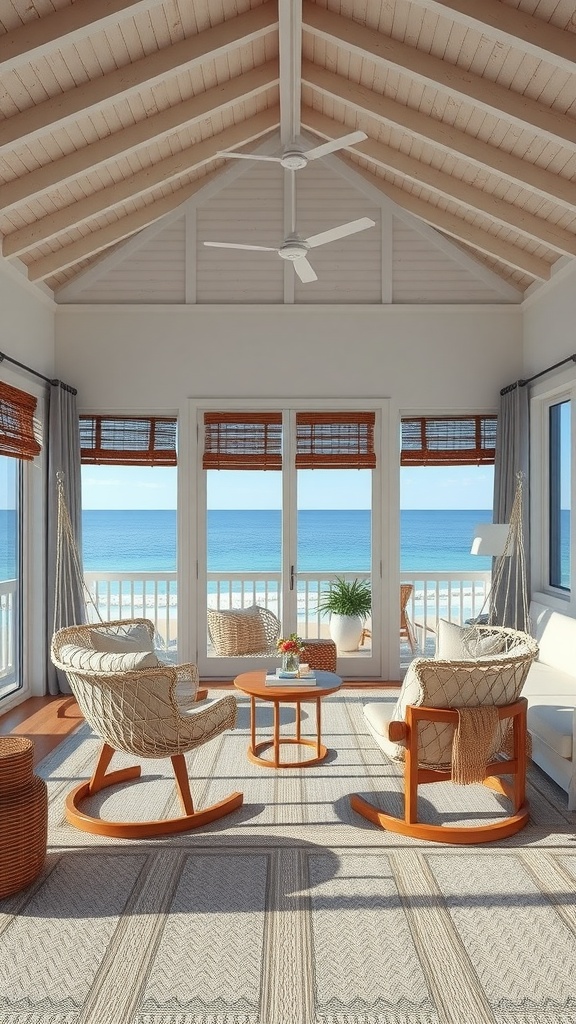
(551, 692)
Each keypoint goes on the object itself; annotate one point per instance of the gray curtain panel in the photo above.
(510, 594)
(65, 604)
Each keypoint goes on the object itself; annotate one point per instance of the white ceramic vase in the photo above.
(346, 631)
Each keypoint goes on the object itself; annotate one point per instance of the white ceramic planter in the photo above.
(346, 631)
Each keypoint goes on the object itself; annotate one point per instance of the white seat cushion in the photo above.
(550, 683)
(84, 658)
(553, 723)
(378, 715)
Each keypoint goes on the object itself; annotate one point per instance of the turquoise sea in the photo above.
(329, 540)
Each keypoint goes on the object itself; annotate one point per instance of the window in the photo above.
(559, 495)
(10, 575)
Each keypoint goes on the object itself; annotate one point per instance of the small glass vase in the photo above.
(291, 662)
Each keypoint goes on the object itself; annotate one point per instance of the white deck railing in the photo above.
(456, 596)
(8, 629)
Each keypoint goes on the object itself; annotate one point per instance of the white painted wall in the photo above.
(436, 358)
(549, 318)
(27, 321)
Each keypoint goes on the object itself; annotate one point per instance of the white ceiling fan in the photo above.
(295, 249)
(295, 158)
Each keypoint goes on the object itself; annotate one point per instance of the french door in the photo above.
(289, 499)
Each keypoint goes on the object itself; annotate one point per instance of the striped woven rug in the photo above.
(293, 910)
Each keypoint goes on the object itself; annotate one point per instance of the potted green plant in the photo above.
(348, 602)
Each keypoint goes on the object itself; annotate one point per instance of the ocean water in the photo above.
(329, 540)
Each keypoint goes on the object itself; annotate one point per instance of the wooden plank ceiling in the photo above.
(114, 112)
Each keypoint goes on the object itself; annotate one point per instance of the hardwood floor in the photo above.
(45, 720)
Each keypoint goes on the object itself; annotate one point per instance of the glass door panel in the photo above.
(334, 540)
(243, 557)
(10, 576)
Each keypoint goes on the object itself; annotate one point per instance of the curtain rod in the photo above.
(36, 373)
(522, 383)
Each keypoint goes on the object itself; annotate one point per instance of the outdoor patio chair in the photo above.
(136, 704)
(406, 627)
(451, 722)
(237, 632)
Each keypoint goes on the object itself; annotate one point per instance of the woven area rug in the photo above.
(293, 910)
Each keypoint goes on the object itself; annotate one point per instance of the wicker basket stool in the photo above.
(320, 654)
(23, 815)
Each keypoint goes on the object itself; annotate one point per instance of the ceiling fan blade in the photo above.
(305, 270)
(344, 229)
(251, 156)
(239, 245)
(334, 144)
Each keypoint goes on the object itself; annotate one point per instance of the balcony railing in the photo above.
(456, 596)
(8, 630)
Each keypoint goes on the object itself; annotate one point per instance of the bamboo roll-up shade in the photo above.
(17, 428)
(335, 440)
(128, 440)
(237, 440)
(443, 440)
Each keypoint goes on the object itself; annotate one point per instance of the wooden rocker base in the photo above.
(462, 835)
(142, 829)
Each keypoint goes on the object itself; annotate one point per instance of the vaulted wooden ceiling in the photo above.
(114, 112)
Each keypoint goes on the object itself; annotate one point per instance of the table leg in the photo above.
(318, 727)
(253, 723)
(276, 734)
(298, 721)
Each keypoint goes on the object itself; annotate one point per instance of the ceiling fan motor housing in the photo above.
(293, 160)
(293, 249)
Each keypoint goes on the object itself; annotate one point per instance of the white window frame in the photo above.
(543, 396)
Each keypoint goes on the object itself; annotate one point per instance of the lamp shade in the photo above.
(490, 539)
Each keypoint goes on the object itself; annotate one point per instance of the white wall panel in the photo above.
(426, 359)
(249, 211)
(153, 273)
(549, 318)
(422, 272)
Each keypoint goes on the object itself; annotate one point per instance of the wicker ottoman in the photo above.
(23, 815)
(320, 654)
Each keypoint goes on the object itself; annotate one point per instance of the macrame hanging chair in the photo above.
(74, 602)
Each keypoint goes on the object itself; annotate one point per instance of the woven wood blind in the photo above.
(17, 433)
(441, 441)
(335, 440)
(236, 440)
(128, 440)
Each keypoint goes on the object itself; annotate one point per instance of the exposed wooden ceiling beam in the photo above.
(103, 238)
(549, 234)
(290, 58)
(148, 178)
(189, 112)
(389, 111)
(491, 96)
(458, 228)
(512, 25)
(68, 25)
(166, 62)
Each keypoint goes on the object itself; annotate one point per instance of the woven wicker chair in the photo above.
(241, 632)
(151, 712)
(451, 722)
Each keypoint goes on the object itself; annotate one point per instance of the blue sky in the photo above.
(116, 487)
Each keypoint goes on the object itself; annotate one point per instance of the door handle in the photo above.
(291, 577)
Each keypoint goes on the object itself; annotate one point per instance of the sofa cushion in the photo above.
(549, 683)
(556, 636)
(75, 657)
(378, 716)
(553, 723)
(122, 639)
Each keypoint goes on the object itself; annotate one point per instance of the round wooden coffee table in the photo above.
(254, 684)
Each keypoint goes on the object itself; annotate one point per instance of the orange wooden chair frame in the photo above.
(414, 775)
(142, 829)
